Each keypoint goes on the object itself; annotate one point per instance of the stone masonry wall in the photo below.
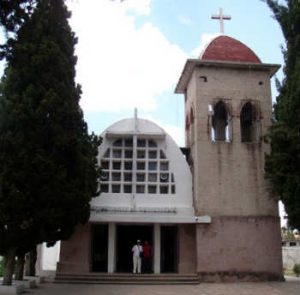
(239, 248)
(187, 249)
(75, 252)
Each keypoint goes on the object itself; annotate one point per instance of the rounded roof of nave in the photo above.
(132, 125)
(146, 129)
(225, 48)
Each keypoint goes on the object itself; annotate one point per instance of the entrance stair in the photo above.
(127, 278)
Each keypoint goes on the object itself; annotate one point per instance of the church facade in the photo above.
(206, 209)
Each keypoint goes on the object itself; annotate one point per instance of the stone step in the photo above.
(122, 278)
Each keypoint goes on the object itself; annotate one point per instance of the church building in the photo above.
(206, 209)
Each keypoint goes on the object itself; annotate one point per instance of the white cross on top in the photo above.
(221, 17)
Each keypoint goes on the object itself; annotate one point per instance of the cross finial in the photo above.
(221, 17)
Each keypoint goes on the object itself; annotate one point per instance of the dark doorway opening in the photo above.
(99, 247)
(169, 249)
(127, 235)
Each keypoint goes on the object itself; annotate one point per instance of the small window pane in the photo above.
(141, 154)
(118, 142)
(105, 164)
(128, 154)
(164, 189)
(116, 176)
(128, 142)
(152, 165)
(116, 165)
(152, 177)
(151, 189)
(140, 166)
(127, 176)
(140, 177)
(164, 177)
(127, 189)
(173, 189)
(117, 153)
(162, 154)
(152, 143)
(164, 166)
(141, 142)
(128, 165)
(152, 154)
(104, 188)
(107, 154)
(172, 177)
(140, 189)
(115, 188)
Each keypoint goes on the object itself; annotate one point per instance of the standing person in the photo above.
(137, 251)
(147, 254)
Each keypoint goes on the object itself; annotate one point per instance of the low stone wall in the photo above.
(290, 256)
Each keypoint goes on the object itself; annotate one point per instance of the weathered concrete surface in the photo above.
(239, 249)
(11, 290)
(290, 287)
(290, 256)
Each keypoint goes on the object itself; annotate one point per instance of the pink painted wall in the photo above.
(249, 246)
(187, 249)
(75, 252)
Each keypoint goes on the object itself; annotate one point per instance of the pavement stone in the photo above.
(290, 287)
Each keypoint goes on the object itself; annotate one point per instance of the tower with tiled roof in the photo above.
(228, 110)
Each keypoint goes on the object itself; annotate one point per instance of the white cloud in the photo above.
(177, 133)
(120, 65)
(184, 20)
(205, 39)
(141, 7)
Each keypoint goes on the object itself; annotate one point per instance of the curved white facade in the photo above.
(145, 177)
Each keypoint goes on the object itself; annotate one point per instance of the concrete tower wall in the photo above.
(229, 176)
(243, 239)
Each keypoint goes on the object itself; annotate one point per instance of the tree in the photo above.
(13, 13)
(283, 163)
(48, 170)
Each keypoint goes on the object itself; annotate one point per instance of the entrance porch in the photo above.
(106, 248)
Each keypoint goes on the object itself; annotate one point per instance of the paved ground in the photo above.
(290, 287)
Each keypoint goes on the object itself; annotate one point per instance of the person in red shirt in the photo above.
(147, 257)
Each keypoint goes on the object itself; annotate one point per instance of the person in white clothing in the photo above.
(136, 250)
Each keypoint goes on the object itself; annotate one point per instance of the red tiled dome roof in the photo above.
(224, 48)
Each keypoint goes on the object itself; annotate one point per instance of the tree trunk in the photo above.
(32, 261)
(19, 272)
(9, 263)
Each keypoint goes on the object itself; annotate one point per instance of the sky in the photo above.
(131, 53)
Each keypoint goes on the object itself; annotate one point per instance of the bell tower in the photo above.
(228, 110)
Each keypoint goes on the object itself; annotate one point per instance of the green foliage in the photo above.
(48, 171)
(283, 163)
(14, 12)
(296, 269)
(287, 234)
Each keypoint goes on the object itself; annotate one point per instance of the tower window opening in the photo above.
(248, 123)
(220, 130)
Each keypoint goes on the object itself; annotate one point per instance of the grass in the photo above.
(289, 272)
